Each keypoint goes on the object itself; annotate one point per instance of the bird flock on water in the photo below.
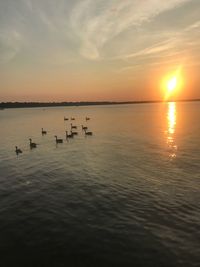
(68, 134)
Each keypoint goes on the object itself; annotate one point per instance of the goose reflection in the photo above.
(171, 119)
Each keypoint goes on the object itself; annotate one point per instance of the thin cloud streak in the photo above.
(10, 42)
(95, 26)
(180, 45)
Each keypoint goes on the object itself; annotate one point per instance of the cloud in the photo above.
(37, 31)
(10, 42)
(156, 48)
(57, 33)
(97, 22)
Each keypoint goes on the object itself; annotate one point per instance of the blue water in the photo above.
(127, 196)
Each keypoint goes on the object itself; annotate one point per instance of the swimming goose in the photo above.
(88, 133)
(87, 118)
(69, 135)
(44, 132)
(73, 126)
(58, 140)
(32, 145)
(72, 119)
(84, 127)
(74, 133)
(17, 150)
(66, 119)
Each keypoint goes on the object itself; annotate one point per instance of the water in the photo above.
(127, 196)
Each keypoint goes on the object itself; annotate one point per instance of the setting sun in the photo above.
(171, 84)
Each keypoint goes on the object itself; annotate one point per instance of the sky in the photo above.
(97, 50)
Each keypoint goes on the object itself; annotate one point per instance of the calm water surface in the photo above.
(127, 196)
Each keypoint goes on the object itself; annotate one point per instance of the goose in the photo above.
(17, 150)
(73, 126)
(84, 127)
(87, 118)
(44, 132)
(58, 140)
(66, 119)
(74, 133)
(32, 145)
(69, 135)
(88, 133)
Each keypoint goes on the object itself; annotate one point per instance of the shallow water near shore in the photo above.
(127, 196)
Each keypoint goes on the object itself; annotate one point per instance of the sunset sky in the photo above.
(93, 50)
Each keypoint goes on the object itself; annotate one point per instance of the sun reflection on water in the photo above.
(171, 119)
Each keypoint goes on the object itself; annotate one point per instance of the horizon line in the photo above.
(32, 104)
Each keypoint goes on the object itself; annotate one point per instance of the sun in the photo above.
(171, 86)
(172, 83)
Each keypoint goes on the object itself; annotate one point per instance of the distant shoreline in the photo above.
(6, 105)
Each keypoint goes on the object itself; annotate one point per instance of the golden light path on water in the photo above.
(171, 119)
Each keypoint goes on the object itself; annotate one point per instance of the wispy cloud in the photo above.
(154, 49)
(37, 29)
(10, 43)
(83, 28)
(97, 22)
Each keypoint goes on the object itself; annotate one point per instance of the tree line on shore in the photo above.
(4, 105)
